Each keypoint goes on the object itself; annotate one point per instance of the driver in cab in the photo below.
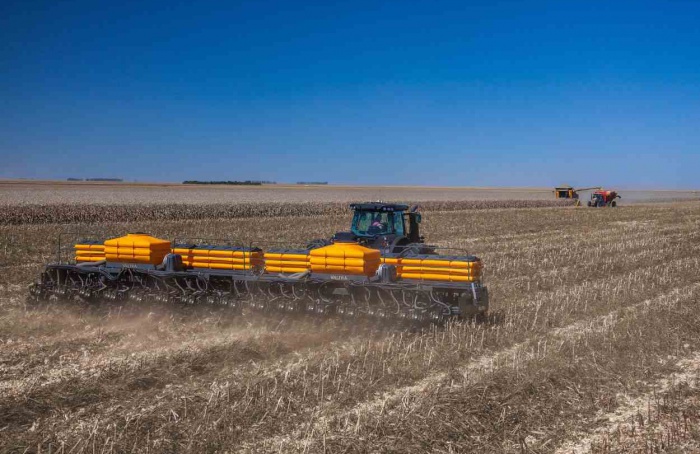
(377, 227)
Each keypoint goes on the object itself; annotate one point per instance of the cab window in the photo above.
(398, 222)
(361, 223)
(366, 223)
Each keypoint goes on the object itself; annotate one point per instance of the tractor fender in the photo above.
(318, 243)
(398, 245)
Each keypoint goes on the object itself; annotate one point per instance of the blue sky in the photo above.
(498, 93)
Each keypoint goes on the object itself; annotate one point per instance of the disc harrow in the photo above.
(351, 297)
(379, 270)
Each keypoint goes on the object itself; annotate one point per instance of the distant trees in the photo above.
(235, 183)
(118, 180)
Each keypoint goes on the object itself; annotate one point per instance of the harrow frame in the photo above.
(343, 295)
(321, 294)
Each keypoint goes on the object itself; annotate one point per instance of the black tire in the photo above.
(413, 249)
(400, 245)
(590, 204)
(315, 244)
(410, 250)
(613, 204)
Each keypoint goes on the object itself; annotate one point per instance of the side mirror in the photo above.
(418, 218)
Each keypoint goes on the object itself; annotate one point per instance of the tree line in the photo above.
(235, 183)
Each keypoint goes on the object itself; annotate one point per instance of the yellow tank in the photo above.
(287, 261)
(292, 263)
(136, 248)
(284, 269)
(89, 258)
(221, 265)
(439, 277)
(436, 268)
(90, 254)
(395, 260)
(219, 257)
(345, 258)
(90, 247)
(138, 240)
(89, 251)
(294, 255)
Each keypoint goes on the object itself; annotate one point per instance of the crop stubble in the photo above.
(578, 298)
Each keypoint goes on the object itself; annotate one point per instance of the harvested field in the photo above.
(92, 213)
(13, 192)
(594, 313)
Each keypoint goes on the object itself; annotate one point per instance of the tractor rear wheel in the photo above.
(315, 244)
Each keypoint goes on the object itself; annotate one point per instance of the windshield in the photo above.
(371, 223)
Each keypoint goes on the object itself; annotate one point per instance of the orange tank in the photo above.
(89, 251)
(219, 257)
(436, 268)
(136, 248)
(287, 260)
(345, 258)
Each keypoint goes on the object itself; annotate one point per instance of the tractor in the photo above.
(388, 227)
(604, 198)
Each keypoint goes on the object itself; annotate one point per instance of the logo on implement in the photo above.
(337, 277)
(130, 265)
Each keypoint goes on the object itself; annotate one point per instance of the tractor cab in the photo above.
(597, 200)
(372, 219)
(391, 223)
(385, 226)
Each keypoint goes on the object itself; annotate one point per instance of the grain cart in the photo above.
(604, 198)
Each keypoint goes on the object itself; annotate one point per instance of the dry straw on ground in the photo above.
(94, 213)
(590, 308)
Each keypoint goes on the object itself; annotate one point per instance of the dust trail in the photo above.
(69, 345)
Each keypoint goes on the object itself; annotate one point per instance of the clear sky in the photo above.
(493, 93)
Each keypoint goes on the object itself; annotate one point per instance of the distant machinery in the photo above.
(568, 192)
(603, 198)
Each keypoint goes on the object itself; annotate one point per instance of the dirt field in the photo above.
(22, 192)
(593, 345)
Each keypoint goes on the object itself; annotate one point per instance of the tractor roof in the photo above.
(378, 206)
